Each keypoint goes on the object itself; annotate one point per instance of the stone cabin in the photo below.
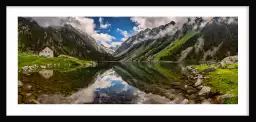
(46, 52)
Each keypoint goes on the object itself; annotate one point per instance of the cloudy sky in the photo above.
(109, 31)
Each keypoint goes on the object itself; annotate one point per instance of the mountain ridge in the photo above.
(214, 39)
(195, 39)
(65, 40)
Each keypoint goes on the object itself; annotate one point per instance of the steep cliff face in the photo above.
(197, 39)
(62, 40)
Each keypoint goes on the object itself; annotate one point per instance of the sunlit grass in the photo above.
(25, 59)
(177, 45)
(224, 80)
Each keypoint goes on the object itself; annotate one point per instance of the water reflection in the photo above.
(108, 87)
(118, 83)
(46, 73)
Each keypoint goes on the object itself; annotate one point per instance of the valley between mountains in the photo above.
(190, 62)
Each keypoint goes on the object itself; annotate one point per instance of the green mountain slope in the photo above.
(195, 41)
(62, 40)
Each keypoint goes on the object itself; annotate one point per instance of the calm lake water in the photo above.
(107, 83)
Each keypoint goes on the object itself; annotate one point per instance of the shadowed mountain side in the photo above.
(64, 83)
(148, 77)
(196, 40)
(64, 40)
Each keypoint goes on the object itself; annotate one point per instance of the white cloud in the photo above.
(50, 21)
(105, 44)
(102, 25)
(114, 44)
(102, 37)
(124, 33)
(151, 22)
(228, 20)
(136, 30)
(86, 25)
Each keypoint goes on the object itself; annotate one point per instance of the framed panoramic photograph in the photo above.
(125, 61)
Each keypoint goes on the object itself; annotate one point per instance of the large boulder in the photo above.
(198, 82)
(187, 70)
(206, 101)
(25, 68)
(228, 60)
(191, 91)
(204, 90)
(179, 98)
(170, 96)
(199, 87)
(20, 83)
(185, 101)
(220, 99)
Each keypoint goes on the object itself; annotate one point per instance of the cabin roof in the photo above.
(45, 49)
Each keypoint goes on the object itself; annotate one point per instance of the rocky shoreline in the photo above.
(36, 67)
(193, 89)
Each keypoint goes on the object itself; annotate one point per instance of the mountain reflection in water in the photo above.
(122, 83)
